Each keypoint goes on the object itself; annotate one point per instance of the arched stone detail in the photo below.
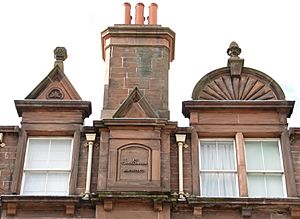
(251, 84)
(134, 163)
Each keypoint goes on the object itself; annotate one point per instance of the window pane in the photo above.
(256, 186)
(57, 183)
(274, 185)
(59, 157)
(37, 153)
(254, 159)
(227, 184)
(34, 183)
(217, 155)
(209, 158)
(218, 184)
(209, 184)
(226, 159)
(271, 155)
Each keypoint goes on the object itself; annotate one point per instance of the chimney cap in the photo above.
(60, 53)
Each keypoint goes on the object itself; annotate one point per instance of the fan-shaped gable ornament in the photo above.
(236, 82)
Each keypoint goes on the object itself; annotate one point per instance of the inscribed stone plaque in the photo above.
(134, 163)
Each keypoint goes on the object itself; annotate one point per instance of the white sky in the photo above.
(267, 32)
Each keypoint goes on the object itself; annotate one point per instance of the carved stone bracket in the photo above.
(197, 213)
(107, 205)
(295, 212)
(70, 209)
(246, 213)
(11, 209)
(157, 206)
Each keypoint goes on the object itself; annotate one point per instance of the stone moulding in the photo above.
(282, 105)
(153, 34)
(54, 105)
(250, 85)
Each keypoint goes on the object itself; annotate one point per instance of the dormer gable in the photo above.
(236, 82)
(135, 106)
(56, 85)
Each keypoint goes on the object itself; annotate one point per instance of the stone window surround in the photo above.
(21, 153)
(241, 163)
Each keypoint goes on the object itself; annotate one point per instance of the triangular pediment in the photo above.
(55, 86)
(135, 106)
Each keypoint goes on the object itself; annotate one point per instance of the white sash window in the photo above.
(264, 168)
(218, 172)
(47, 166)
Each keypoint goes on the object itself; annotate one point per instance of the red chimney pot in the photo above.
(139, 13)
(152, 19)
(127, 17)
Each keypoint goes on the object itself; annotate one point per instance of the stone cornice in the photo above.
(135, 122)
(193, 105)
(9, 129)
(154, 35)
(53, 105)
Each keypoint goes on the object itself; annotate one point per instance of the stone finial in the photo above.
(234, 50)
(60, 53)
(235, 62)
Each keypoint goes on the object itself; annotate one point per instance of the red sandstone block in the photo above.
(136, 82)
(116, 61)
(130, 65)
(116, 83)
(10, 155)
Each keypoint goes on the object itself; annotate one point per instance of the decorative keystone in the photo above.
(60, 53)
(234, 50)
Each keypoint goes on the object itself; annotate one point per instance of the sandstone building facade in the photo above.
(237, 159)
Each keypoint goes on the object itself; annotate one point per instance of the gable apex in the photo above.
(135, 106)
(55, 85)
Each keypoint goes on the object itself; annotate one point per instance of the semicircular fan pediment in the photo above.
(250, 85)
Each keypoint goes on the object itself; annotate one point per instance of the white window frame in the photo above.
(219, 171)
(264, 172)
(43, 170)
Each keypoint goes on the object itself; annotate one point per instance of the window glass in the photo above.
(253, 150)
(264, 168)
(256, 186)
(47, 166)
(218, 168)
(271, 155)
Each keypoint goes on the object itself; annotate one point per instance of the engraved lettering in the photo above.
(134, 171)
(133, 162)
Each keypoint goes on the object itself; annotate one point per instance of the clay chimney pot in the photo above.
(152, 19)
(139, 13)
(127, 17)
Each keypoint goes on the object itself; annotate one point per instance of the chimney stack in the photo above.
(137, 56)
(127, 13)
(152, 19)
(139, 13)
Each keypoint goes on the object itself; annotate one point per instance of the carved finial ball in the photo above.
(234, 50)
(60, 53)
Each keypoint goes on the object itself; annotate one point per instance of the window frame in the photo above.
(219, 171)
(47, 170)
(264, 172)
